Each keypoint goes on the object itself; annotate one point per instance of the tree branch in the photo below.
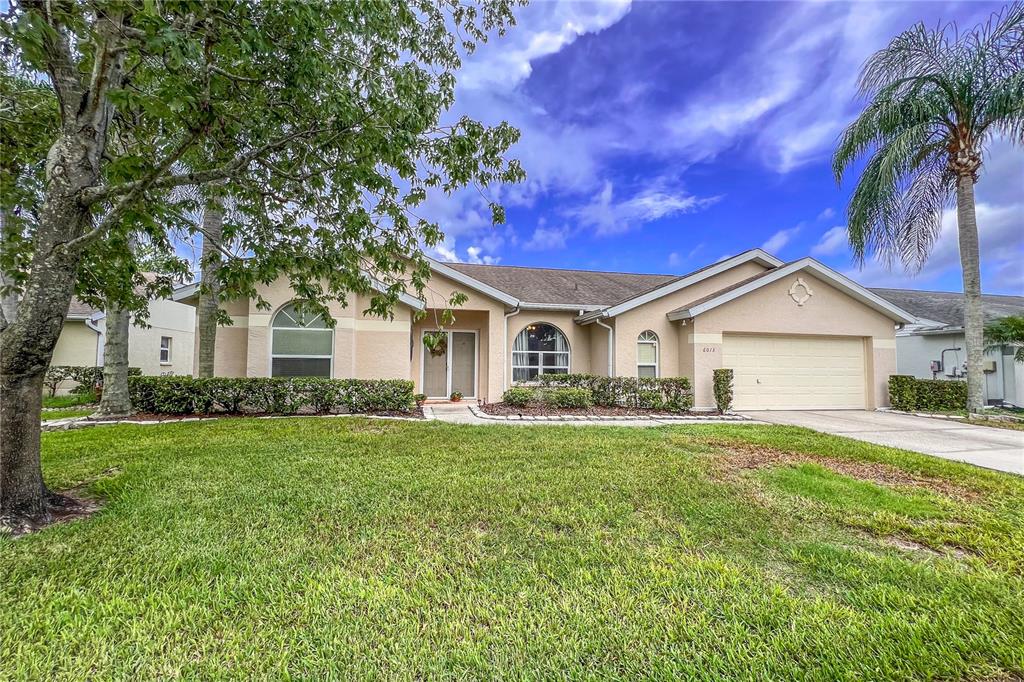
(92, 195)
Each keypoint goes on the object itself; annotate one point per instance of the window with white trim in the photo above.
(647, 354)
(302, 345)
(539, 349)
(165, 350)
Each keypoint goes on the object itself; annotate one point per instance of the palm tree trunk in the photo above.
(206, 310)
(115, 401)
(967, 229)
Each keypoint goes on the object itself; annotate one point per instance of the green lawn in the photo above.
(70, 412)
(349, 548)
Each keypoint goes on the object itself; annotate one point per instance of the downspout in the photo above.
(91, 324)
(506, 357)
(611, 346)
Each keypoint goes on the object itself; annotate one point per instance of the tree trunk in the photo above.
(22, 493)
(967, 229)
(206, 310)
(115, 401)
(26, 346)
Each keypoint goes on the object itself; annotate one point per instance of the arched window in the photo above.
(647, 354)
(302, 344)
(539, 349)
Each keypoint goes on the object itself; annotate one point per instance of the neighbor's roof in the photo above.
(80, 311)
(947, 307)
(562, 287)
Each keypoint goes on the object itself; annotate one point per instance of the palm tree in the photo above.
(935, 99)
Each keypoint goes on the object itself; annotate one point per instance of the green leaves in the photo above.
(935, 97)
(1007, 331)
(321, 124)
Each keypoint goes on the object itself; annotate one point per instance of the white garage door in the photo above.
(795, 372)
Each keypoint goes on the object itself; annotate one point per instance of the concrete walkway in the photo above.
(985, 446)
(459, 413)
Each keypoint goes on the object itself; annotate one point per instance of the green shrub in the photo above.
(568, 397)
(909, 393)
(722, 380)
(85, 377)
(673, 394)
(518, 396)
(277, 395)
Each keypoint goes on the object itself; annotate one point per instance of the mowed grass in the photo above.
(352, 548)
(49, 415)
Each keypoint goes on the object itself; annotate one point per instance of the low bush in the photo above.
(672, 394)
(518, 396)
(569, 397)
(85, 377)
(277, 395)
(722, 384)
(910, 393)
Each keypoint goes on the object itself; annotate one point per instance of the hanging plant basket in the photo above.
(436, 343)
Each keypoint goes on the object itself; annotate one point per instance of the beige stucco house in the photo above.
(798, 335)
(163, 347)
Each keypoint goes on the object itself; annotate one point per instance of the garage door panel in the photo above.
(793, 372)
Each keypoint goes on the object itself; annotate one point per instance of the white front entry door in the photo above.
(795, 372)
(453, 370)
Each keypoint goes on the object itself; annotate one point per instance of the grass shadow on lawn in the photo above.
(344, 548)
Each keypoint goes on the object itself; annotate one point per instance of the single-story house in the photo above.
(165, 347)
(798, 335)
(934, 346)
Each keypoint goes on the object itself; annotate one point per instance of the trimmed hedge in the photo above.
(569, 397)
(909, 393)
(278, 395)
(518, 396)
(86, 377)
(722, 380)
(673, 394)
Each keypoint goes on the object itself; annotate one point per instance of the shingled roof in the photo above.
(80, 311)
(562, 287)
(947, 307)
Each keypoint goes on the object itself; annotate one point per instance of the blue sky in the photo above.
(659, 137)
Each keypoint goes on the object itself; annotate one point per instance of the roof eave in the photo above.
(822, 271)
(472, 282)
(759, 256)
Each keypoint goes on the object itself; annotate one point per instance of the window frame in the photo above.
(167, 349)
(656, 342)
(271, 356)
(540, 366)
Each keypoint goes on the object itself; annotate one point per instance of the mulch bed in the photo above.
(503, 410)
(415, 413)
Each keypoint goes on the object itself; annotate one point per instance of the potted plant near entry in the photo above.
(456, 396)
(420, 398)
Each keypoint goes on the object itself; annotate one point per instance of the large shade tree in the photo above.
(325, 123)
(936, 98)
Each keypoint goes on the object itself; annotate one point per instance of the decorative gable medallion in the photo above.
(800, 292)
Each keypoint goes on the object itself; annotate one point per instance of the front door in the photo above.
(453, 370)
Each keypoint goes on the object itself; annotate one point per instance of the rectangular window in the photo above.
(301, 367)
(165, 350)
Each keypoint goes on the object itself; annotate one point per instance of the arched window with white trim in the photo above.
(539, 349)
(647, 354)
(302, 345)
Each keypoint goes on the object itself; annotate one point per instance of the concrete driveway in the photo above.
(985, 446)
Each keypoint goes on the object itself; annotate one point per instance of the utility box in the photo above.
(936, 366)
(989, 366)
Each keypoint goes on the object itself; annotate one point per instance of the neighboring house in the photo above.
(163, 348)
(934, 347)
(799, 335)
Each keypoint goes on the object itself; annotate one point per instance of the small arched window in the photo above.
(647, 354)
(302, 345)
(539, 349)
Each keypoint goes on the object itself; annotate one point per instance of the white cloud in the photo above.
(779, 240)
(608, 216)
(831, 242)
(1001, 240)
(674, 261)
(826, 214)
(546, 238)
